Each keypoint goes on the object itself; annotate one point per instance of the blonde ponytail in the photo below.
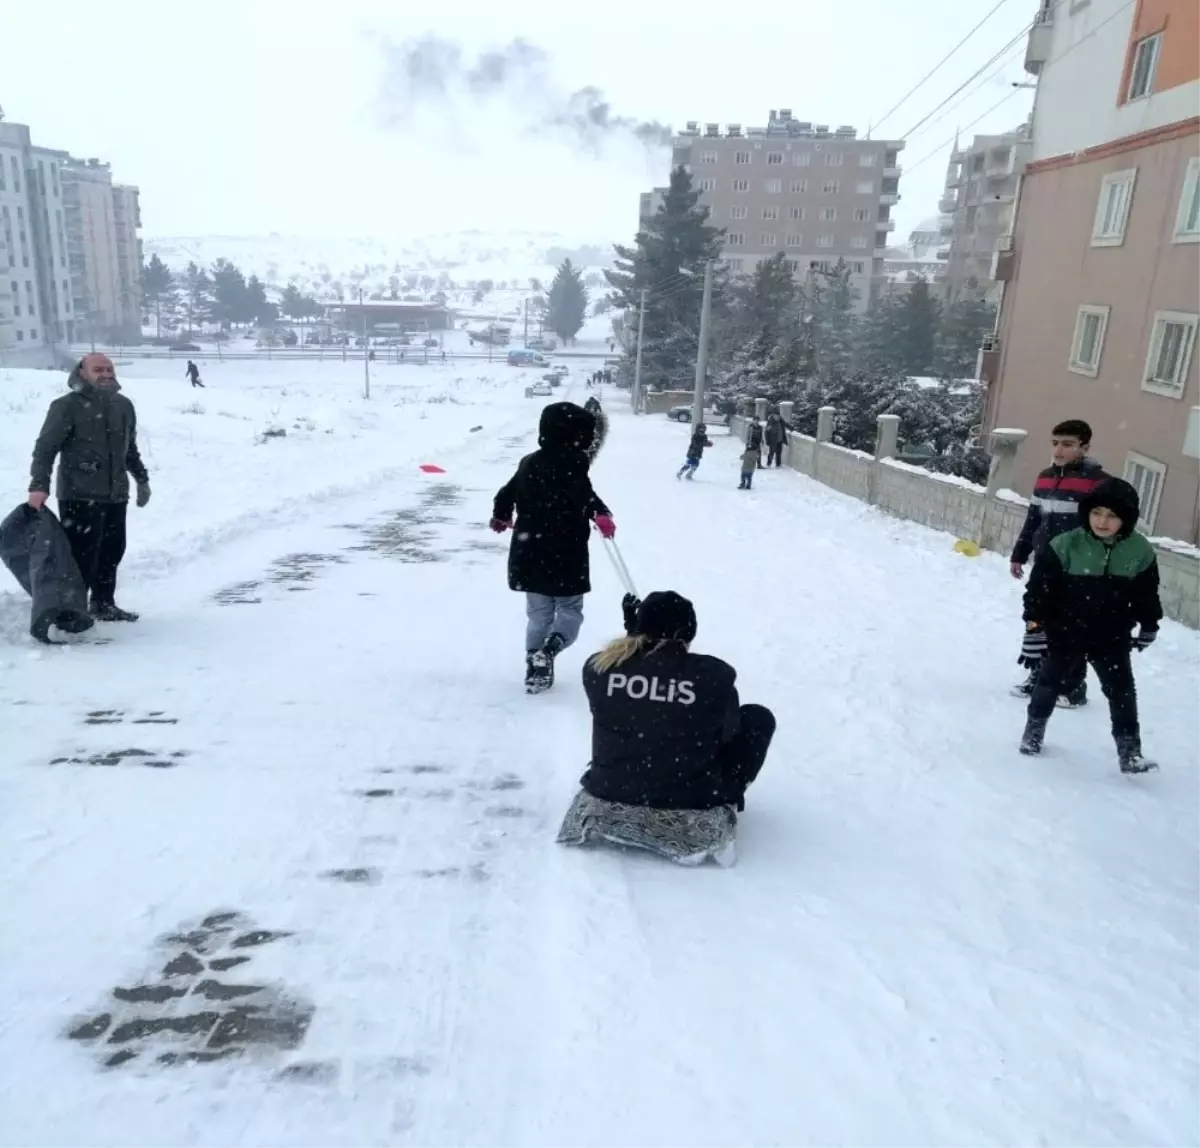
(618, 651)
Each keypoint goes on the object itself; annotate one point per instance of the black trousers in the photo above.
(1071, 682)
(196, 382)
(742, 758)
(775, 454)
(96, 531)
(1113, 668)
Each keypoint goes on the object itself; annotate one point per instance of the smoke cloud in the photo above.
(429, 71)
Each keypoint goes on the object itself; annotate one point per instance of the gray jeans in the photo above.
(548, 616)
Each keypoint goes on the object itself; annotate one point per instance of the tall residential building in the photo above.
(977, 212)
(47, 218)
(1101, 299)
(798, 188)
(917, 259)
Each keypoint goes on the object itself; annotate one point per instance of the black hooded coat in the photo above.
(554, 504)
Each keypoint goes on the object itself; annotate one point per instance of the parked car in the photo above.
(430, 343)
(561, 369)
(680, 414)
(184, 347)
(541, 388)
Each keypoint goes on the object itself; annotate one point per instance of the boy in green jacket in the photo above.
(1087, 591)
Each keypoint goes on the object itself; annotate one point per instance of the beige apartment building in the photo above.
(977, 206)
(798, 188)
(1101, 299)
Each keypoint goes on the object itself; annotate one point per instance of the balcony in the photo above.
(890, 198)
(947, 204)
(885, 225)
(1004, 265)
(989, 360)
(943, 253)
(1039, 45)
(893, 172)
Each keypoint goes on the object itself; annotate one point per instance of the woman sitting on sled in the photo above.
(673, 751)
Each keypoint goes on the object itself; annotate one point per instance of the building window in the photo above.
(1146, 476)
(16, 308)
(865, 187)
(708, 157)
(799, 186)
(796, 213)
(801, 158)
(741, 157)
(768, 239)
(735, 238)
(858, 241)
(737, 212)
(741, 185)
(16, 173)
(708, 185)
(1170, 353)
(793, 265)
(824, 240)
(20, 336)
(33, 332)
(795, 240)
(1145, 65)
(829, 214)
(858, 267)
(770, 213)
(733, 264)
(861, 214)
(774, 186)
(831, 187)
(1090, 325)
(1112, 210)
(833, 159)
(1187, 221)
(774, 158)
(867, 159)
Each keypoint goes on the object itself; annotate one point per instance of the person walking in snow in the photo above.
(92, 431)
(751, 461)
(193, 373)
(754, 439)
(1053, 510)
(671, 742)
(695, 452)
(554, 504)
(1087, 591)
(776, 437)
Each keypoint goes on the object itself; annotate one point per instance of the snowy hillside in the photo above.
(316, 263)
(280, 863)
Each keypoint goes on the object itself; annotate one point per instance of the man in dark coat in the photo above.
(193, 373)
(92, 431)
(554, 504)
(776, 436)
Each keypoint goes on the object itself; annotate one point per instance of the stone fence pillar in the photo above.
(887, 436)
(1004, 446)
(825, 417)
(760, 408)
(785, 411)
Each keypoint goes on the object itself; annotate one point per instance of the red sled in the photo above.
(431, 468)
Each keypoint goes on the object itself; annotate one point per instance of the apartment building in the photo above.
(1101, 298)
(47, 218)
(977, 207)
(905, 263)
(799, 188)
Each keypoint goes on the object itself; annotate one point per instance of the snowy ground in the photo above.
(928, 939)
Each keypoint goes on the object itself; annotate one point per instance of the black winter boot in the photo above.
(1129, 754)
(1076, 699)
(1032, 738)
(110, 612)
(539, 675)
(1025, 689)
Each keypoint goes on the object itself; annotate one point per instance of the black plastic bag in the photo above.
(35, 548)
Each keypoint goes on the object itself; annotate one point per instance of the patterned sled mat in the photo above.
(686, 836)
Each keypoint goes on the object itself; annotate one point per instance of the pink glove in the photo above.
(499, 525)
(606, 525)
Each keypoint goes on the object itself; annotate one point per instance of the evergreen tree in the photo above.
(197, 296)
(964, 326)
(566, 303)
(917, 320)
(759, 338)
(834, 321)
(231, 302)
(667, 260)
(260, 310)
(158, 290)
(878, 350)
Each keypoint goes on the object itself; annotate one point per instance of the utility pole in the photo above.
(702, 350)
(366, 348)
(525, 339)
(637, 365)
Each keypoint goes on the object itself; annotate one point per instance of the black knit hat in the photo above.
(667, 616)
(1117, 495)
(566, 426)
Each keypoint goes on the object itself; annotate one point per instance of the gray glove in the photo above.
(143, 493)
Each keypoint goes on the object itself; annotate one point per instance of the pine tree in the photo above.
(566, 303)
(260, 310)
(667, 260)
(197, 296)
(917, 320)
(964, 326)
(158, 290)
(835, 323)
(759, 343)
(230, 300)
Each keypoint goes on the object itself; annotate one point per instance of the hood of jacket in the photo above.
(76, 382)
(1117, 495)
(565, 426)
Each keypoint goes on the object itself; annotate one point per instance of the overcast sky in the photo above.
(252, 116)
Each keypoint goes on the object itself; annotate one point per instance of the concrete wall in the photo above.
(963, 509)
(659, 402)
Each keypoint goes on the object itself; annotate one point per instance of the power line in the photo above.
(937, 67)
(965, 97)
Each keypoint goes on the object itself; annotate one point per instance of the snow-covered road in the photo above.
(333, 852)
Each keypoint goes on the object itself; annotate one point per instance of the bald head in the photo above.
(98, 369)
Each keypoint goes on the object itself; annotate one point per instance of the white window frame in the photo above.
(858, 241)
(735, 239)
(733, 263)
(741, 185)
(774, 158)
(833, 159)
(794, 239)
(828, 214)
(824, 240)
(742, 157)
(831, 187)
(1127, 180)
(738, 211)
(708, 157)
(1148, 509)
(799, 187)
(802, 158)
(1075, 364)
(1147, 46)
(1176, 388)
(865, 187)
(796, 213)
(708, 185)
(770, 214)
(867, 159)
(1188, 195)
(773, 186)
(768, 239)
(862, 215)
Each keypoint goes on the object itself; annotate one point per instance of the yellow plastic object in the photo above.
(968, 548)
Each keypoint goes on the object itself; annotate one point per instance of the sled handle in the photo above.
(618, 561)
